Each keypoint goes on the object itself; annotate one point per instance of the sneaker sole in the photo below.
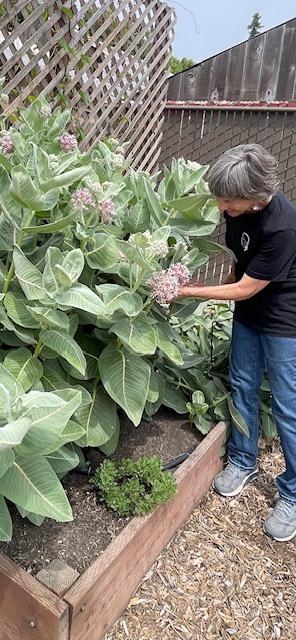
(241, 487)
(287, 539)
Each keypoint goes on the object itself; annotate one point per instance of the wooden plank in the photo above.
(218, 79)
(204, 74)
(235, 72)
(252, 68)
(287, 68)
(103, 591)
(28, 610)
(270, 68)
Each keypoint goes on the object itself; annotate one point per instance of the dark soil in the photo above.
(94, 525)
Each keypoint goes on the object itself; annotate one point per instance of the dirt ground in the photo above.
(221, 577)
(94, 526)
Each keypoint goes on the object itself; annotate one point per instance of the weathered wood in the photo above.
(287, 65)
(28, 610)
(103, 591)
(58, 576)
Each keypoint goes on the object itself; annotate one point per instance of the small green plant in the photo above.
(134, 487)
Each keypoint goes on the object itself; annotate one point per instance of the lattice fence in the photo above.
(203, 134)
(107, 59)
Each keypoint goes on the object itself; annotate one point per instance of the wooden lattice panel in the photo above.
(107, 59)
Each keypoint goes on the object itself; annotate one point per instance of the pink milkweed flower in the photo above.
(82, 199)
(165, 286)
(68, 142)
(7, 144)
(108, 211)
(181, 272)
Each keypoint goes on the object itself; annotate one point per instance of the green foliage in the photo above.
(255, 26)
(134, 487)
(80, 332)
(180, 64)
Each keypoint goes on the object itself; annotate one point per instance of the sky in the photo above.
(206, 27)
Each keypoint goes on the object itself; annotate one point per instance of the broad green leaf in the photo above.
(33, 517)
(199, 403)
(5, 521)
(166, 345)
(28, 194)
(99, 419)
(209, 246)
(137, 334)
(50, 277)
(5, 405)
(71, 433)
(15, 335)
(136, 255)
(63, 460)
(12, 385)
(32, 484)
(66, 347)
(268, 426)
(153, 393)
(195, 259)
(154, 206)
(7, 233)
(24, 367)
(237, 418)
(126, 378)
(50, 317)
(103, 253)
(52, 227)
(13, 433)
(116, 297)
(18, 310)
(190, 205)
(175, 399)
(65, 179)
(29, 277)
(138, 218)
(7, 458)
(49, 414)
(11, 209)
(81, 297)
(73, 264)
(193, 227)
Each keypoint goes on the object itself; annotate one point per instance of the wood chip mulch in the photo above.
(221, 576)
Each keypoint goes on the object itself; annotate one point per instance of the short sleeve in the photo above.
(274, 258)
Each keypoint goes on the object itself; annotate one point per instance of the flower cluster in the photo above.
(108, 211)
(45, 111)
(7, 144)
(82, 199)
(181, 272)
(165, 284)
(68, 142)
(159, 248)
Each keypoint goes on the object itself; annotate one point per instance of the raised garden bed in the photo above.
(87, 609)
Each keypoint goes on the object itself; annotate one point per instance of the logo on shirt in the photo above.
(245, 241)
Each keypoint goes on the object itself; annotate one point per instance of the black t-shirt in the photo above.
(264, 245)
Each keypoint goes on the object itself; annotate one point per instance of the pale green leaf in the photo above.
(66, 347)
(237, 418)
(65, 179)
(99, 419)
(168, 347)
(63, 460)
(81, 297)
(50, 317)
(116, 297)
(7, 458)
(24, 367)
(12, 385)
(19, 311)
(126, 378)
(29, 277)
(52, 227)
(14, 432)
(11, 209)
(137, 334)
(103, 253)
(5, 521)
(32, 484)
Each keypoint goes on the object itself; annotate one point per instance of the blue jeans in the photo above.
(253, 352)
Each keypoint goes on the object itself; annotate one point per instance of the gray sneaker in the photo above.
(281, 522)
(233, 480)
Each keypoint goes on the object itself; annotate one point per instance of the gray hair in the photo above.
(247, 171)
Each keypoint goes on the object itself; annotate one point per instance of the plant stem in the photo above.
(38, 348)
(9, 276)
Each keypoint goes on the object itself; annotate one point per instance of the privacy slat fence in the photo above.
(106, 59)
(246, 94)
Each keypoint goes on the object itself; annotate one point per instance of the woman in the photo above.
(261, 232)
